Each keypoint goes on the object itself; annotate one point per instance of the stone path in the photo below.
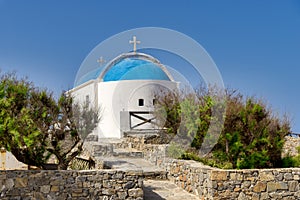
(163, 189)
(130, 164)
(156, 185)
(150, 171)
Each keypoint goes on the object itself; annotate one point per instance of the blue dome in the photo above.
(130, 66)
(135, 69)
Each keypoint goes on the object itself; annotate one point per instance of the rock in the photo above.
(259, 187)
(136, 192)
(255, 197)
(242, 196)
(236, 176)
(129, 185)
(288, 176)
(264, 196)
(276, 195)
(266, 176)
(283, 186)
(297, 194)
(122, 195)
(54, 188)
(109, 191)
(9, 183)
(293, 186)
(274, 186)
(45, 189)
(246, 184)
(21, 182)
(219, 175)
(39, 196)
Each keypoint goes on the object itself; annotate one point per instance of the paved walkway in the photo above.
(156, 187)
(162, 189)
(129, 164)
(150, 171)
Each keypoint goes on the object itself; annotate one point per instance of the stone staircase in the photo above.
(127, 153)
(165, 190)
(113, 148)
(110, 153)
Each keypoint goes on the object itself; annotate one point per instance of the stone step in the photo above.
(108, 150)
(163, 189)
(109, 140)
(142, 133)
(102, 149)
(155, 175)
(127, 153)
(150, 171)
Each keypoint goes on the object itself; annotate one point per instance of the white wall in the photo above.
(80, 92)
(8, 161)
(117, 96)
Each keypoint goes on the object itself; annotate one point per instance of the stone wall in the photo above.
(152, 150)
(43, 184)
(212, 183)
(290, 146)
(256, 184)
(192, 176)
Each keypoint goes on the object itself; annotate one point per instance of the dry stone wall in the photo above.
(192, 176)
(47, 184)
(256, 184)
(290, 146)
(212, 183)
(153, 152)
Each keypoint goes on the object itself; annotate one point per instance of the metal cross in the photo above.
(101, 60)
(134, 42)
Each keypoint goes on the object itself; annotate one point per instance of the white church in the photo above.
(124, 90)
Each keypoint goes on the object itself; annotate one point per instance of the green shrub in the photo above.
(252, 136)
(289, 161)
(206, 161)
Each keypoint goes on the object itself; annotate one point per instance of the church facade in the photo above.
(124, 90)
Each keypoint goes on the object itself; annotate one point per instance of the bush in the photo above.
(207, 161)
(34, 125)
(252, 136)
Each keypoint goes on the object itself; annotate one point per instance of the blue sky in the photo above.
(255, 44)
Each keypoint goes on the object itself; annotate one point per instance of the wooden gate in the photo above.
(141, 116)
